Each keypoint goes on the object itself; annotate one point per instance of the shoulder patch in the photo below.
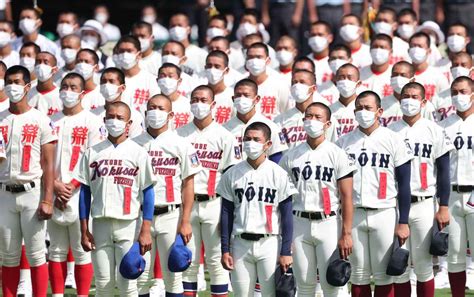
(237, 152)
(194, 160)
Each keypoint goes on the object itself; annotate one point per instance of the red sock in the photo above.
(425, 289)
(403, 290)
(70, 257)
(23, 260)
(157, 268)
(201, 261)
(57, 276)
(361, 291)
(10, 280)
(457, 280)
(385, 291)
(83, 275)
(39, 280)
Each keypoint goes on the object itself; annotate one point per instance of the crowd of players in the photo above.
(260, 154)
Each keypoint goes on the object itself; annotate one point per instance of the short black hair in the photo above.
(73, 75)
(247, 83)
(170, 65)
(423, 35)
(370, 94)
(462, 79)
(130, 39)
(349, 65)
(406, 64)
(259, 45)
(94, 55)
(119, 104)
(384, 37)
(36, 48)
(115, 70)
(311, 74)
(342, 47)
(219, 17)
(359, 20)
(219, 54)
(390, 11)
(414, 85)
(142, 24)
(183, 49)
(407, 11)
(259, 126)
(326, 109)
(323, 23)
(203, 88)
(306, 60)
(19, 69)
(253, 12)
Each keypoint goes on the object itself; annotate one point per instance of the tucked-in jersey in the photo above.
(256, 194)
(116, 176)
(375, 156)
(315, 174)
(432, 80)
(392, 112)
(443, 104)
(428, 142)
(361, 57)
(344, 116)
(76, 134)
(216, 149)
(461, 132)
(224, 108)
(136, 128)
(140, 88)
(93, 99)
(48, 103)
(322, 70)
(237, 128)
(173, 159)
(273, 94)
(181, 108)
(400, 51)
(377, 82)
(151, 63)
(23, 135)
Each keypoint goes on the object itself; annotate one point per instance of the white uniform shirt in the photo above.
(315, 174)
(151, 63)
(444, 65)
(215, 147)
(256, 194)
(400, 51)
(273, 94)
(443, 104)
(344, 116)
(329, 91)
(3, 154)
(461, 134)
(323, 72)
(181, 108)
(136, 128)
(12, 59)
(187, 85)
(196, 58)
(375, 156)
(428, 142)
(173, 159)
(139, 89)
(58, 77)
(116, 175)
(4, 105)
(224, 108)
(433, 80)
(93, 99)
(45, 44)
(24, 134)
(393, 113)
(361, 57)
(48, 103)
(377, 82)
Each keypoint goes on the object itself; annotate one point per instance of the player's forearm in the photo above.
(286, 208)
(146, 226)
(47, 165)
(84, 203)
(443, 181)
(345, 190)
(84, 226)
(227, 222)
(148, 204)
(299, 7)
(403, 175)
(188, 198)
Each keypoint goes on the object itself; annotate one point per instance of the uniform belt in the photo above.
(367, 208)
(462, 189)
(314, 216)
(253, 237)
(159, 210)
(415, 199)
(18, 188)
(202, 197)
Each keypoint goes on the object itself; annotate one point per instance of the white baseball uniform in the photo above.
(344, 116)
(428, 142)
(256, 194)
(116, 178)
(224, 108)
(48, 103)
(196, 58)
(181, 108)
(5, 104)
(151, 63)
(392, 112)
(140, 88)
(328, 91)
(399, 50)
(444, 65)
(433, 80)
(315, 173)
(136, 128)
(377, 82)
(93, 99)
(443, 104)
(461, 225)
(322, 70)
(375, 199)
(273, 94)
(361, 57)
(215, 147)
(173, 159)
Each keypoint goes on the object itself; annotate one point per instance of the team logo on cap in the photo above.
(194, 160)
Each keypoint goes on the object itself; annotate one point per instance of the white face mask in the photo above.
(28, 63)
(243, 104)
(456, 43)
(69, 55)
(253, 149)
(318, 43)
(101, 17)
(178, 33)
(383, 28)
(410, 107)
(300, 92)
(89, 42)
(43, 72)
(115, 127)
(64, 29)
(398, 82)
(5, 38)
(200, 110)
(84, 69)
(156, 118)
(149, 18)
(460, 71)
(27, 26)
(462, 102)
(379, 55)
(346, 88)
(313, 128)
(365, 118)
(214, 32)
(349, 32)
(214, 75)
(284, 57)
(335, 64)
(168, 85)
(2, 84)
(406, 31)
(256, 66)
(127, 60)
(69, 98)
(145, 44)
(109, 91)
(170, 59)
(15, 92)
(245, 29)
(417, 54)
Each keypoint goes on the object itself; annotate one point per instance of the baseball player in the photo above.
(116, 178)
(320, 38)
(215, 147)
(322, 173)
(174, 162)
(26, 184)
(87, 65)
(77, 129)
(4, 102)
(151, 60)
(429, 176)
(458, 128)
(256, 209)
(245, 100)
(383, 163)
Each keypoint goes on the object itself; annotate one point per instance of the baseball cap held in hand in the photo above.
(439, 241)
(132, 264)
(398, 260)
(180, 256)
(285, 285)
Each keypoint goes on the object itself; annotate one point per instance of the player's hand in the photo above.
(186, 231)
(227, 261)
(87, 241)
(59, 204)
(345, 246)
(144, 239)
(402, 231)
(285, 262)
(62, 189)
(45, 210)
(442, 217)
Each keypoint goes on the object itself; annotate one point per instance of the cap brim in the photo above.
(103, 37)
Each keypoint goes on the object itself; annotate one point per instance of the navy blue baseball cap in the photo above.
(132, 264)
(338, 272)
(285, 284)
(439, 241)
(180, 256)
(398, 262)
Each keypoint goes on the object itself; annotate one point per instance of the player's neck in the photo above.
(5, 51)
(45, 86)
(348, 100)
(156, 132)
(90, 84)
(315, 142)
(148, 52)
(70, 66)
(411, 120)
(219, 88)
(379, 68)
(132, 71)
(321, 55)
(31, 37)
(286, 68)
(259, 79)
(185, 42)
(246, 117)
(355, 45)
(397, 96)
(70, 111)
(419, 68)
(465, 114)
(204, 123)
(371, 129)
(174, 96)
(20, 107)
(303, 105)
(117, 140)
(257, 162)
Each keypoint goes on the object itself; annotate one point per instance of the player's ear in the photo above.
(122, 88)
(268, 144)
(96, 68)
(257, 99)
(328, 124)
(183, 59)
(27, 87)
(423, 102)
(170, 115)
(213, 104)
(268, 60)
(226, 70)
(81, 95)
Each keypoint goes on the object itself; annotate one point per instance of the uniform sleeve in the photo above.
(278, 140)
(95, 136)
(190, 163)
(402, 151)
(224, 188)
(2, 147)
(154, 89)
(147, 178)
(287, 187)
(48, 133)
(228, 153)
(283, 95)
(344, 165)
(442, 142)
(284, 162)
(331, 133)
(81, 171)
